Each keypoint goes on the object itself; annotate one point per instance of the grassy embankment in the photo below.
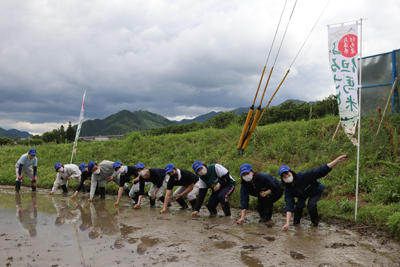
(302, 145)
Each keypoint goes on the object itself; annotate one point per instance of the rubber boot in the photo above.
(193, 204)
(33, 187)
(213, 211)
(17, 186)
(226, 208)
(314, 216)
(262, 213)
(64, 188)
(297, 216)
(162, 199)
(102, 192)
(182, 202)
(152, 202)
(126, 189)
(135, 197)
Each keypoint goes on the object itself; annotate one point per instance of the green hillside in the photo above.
(302, 145)
(14, 134)
(123, 122)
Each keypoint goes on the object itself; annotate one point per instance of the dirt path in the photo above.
(39, 230)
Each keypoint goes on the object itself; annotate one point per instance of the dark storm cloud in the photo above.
(175, 58)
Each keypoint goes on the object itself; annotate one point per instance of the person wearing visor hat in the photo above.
(85, 175)
(157, 178)
(101, 174)
(188, 187)
(261, 185)
(64, 173)
(123, 174)
(26, 164)
(303, 186)
(216, 177)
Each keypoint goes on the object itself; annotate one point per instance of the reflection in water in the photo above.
(65, 214)
(128, 237)
(103, 221)
(86, 218)
(27, 216)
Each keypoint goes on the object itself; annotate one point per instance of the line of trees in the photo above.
(287, 111)
(60, 135)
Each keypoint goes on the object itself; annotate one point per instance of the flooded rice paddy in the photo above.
(42, 230)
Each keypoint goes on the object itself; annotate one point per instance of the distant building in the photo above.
(100, 138)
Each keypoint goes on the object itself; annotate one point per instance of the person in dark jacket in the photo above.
(216, 177)
(157, 178)
(123, 174)
(188, 187)
(303, 186)
(261, 185)
(85, 175)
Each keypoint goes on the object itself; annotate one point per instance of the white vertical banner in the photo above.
(343, 53)
(78, 130)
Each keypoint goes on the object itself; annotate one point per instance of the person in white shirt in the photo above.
(64, 174)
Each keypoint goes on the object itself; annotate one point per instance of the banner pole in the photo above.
(78, 130)
(359, 124)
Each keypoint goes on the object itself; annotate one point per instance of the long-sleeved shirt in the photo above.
(156, 177)
(106, 170)
(262, 182)
(70, 171)
(305, 185)
(183, 178)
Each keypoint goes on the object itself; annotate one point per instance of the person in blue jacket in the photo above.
(261, 185)
(303, 186)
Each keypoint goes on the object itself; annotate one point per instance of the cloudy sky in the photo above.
(177, 58)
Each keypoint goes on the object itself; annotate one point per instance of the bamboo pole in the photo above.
(337, 129)
(387, 104)
(247, 140)
(251, 109)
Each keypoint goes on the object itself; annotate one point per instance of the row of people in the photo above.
(298, 187)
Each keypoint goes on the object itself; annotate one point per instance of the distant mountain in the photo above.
(14, 133)
(239, 111)
(127, 121)
(295, 101)
(201, 118)
(207, 116)
(123, 122)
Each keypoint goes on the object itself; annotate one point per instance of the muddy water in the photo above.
(39, 230)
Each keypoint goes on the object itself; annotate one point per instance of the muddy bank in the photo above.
(40, 230)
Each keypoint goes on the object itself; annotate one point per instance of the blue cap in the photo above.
(32, 151)
(197, 165)
(57, 165)
(82, 167)
(117, 164)
(169, 167)
(283, 169)
(140, 166)
(91, 165)
(245, 168)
